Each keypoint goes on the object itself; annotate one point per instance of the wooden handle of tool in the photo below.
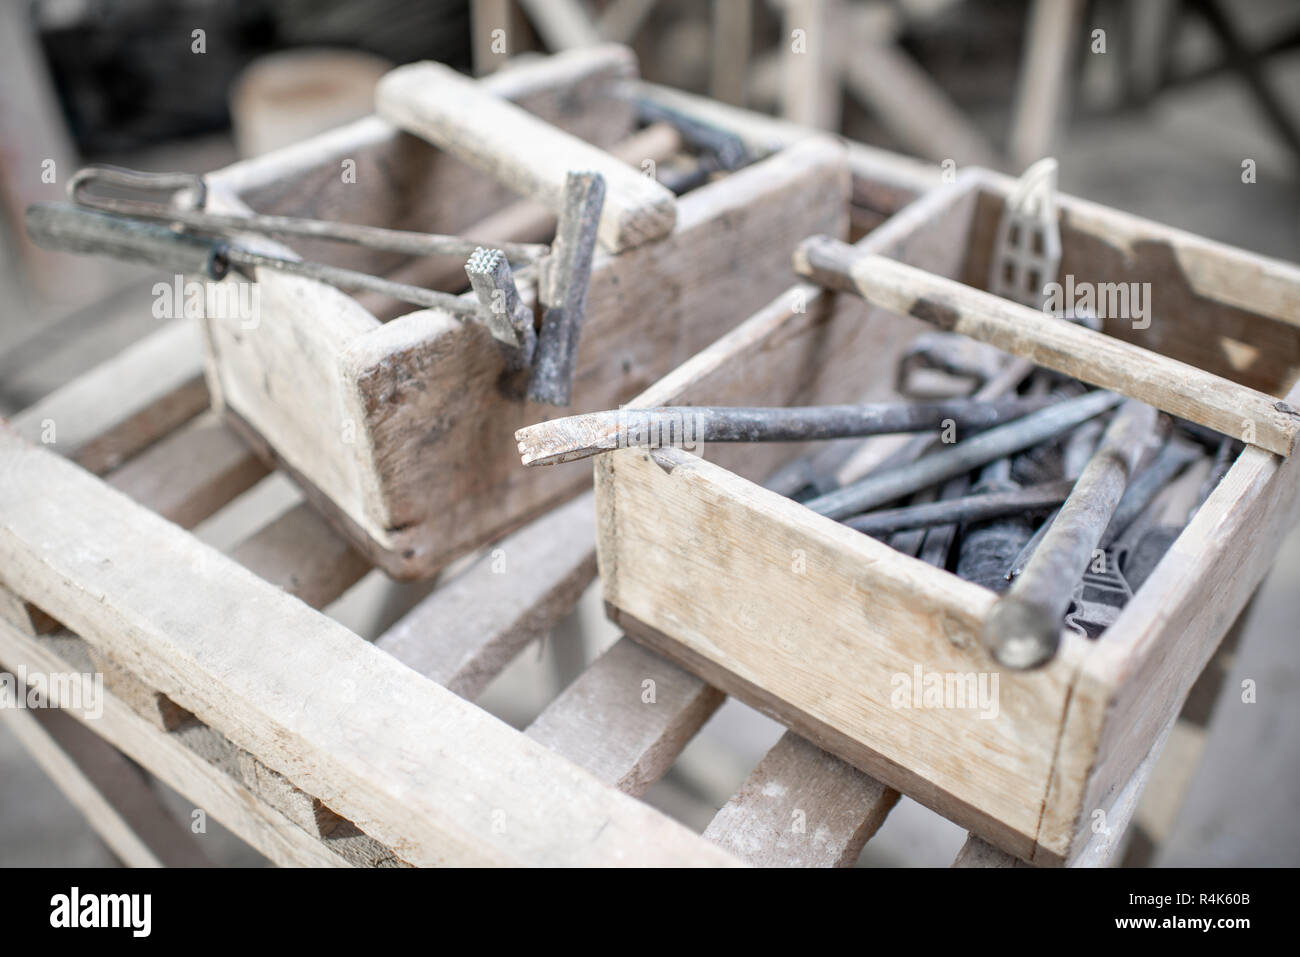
(1175, 387)
(525, 153)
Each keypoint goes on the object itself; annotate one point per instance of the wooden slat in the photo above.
(118, 408)
(810, 92)
(978, 853)
(467, 630)
(802, 807)
(627, 717)
(733, 38)
(1052, 39)
(458, 115)
(299, 552)
(191, 473)
(114, 796)
(410, 763)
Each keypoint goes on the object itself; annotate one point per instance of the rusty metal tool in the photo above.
(1024, 628)
(886, 486)
(580, 436)
(65, 227)
(192, 215)
(564, 287)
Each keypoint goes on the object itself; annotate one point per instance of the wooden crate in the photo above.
(811, 621)
(400, 430)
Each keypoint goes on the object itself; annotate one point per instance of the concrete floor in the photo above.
(1179, 164)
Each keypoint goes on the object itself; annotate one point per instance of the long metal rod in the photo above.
(1024, 628)
(580, 436)
(373, 237)
(968, 508)
(879, 488)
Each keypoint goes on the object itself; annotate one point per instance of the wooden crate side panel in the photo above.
(1225, 310)
(280, 374)
(826, 628)
(443, 424)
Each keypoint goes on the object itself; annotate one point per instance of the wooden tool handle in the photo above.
(525, 153)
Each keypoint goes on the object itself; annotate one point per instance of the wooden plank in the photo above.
(731, 246)
(113, 795)
(810, 92)
(408, 762)
(300, 553)
(627, 717)
(191, 473)
(118, 408)
(1052, 40)
(470, 628)
(903, 97)
(978, 853)
(489, 22)
(621, 20)
(1093, 357)
(802, 807)
(213, 790)
(458, 115)
(733, 38)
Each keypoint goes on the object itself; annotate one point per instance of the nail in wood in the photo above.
(1023, 629)
(568, 275)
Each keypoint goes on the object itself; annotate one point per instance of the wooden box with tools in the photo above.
(843, 638)
(401, 429)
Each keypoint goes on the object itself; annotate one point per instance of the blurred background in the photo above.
(1183, 111)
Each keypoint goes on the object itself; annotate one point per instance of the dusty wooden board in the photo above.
(802, 807)
(341, 719)
(120, 407)
(627, 717)
(730, 247)
(469, 628)
(468, 120)
(191, 473)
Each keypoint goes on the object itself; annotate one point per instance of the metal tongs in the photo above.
(183, 235)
